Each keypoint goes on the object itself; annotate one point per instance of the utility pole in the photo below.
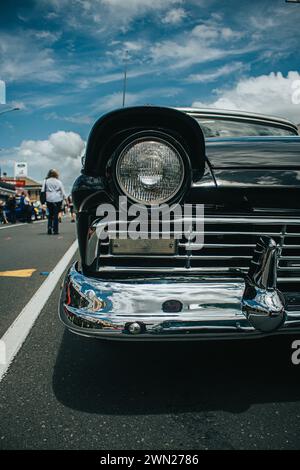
(125, 77)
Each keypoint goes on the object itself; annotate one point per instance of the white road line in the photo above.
(16, 334)
(19, 225)
(10, 226)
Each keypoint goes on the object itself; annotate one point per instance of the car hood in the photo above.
(255, 161)
(254, 152)
(254, 173)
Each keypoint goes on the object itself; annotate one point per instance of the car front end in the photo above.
(227, 263)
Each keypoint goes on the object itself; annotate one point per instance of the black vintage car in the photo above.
(232, 178)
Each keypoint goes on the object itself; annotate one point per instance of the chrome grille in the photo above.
(228, 245)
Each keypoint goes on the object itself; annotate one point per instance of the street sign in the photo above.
(20, 169)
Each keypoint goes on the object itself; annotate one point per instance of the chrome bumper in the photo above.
(136, 308)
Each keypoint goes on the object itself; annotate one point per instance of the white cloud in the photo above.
(268, 94)
(213, 31)
(174, 16)
(205, 42)
(62, 150)
(147, 96)
(114, 100)
(17, 104)
(96, 79)
(98, 16)
(133, 46)
(213, 75)
(134, 8)
(49, 36)
(27, 57)
(31, 102)
(76, 118)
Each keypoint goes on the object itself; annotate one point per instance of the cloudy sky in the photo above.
(62, 62)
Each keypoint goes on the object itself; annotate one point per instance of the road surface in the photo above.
(66, 392)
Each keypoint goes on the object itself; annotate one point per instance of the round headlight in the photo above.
(150, 170)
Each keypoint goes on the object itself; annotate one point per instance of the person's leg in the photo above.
(72, 214)
(55, 217)
(50, 206)
(29, 214)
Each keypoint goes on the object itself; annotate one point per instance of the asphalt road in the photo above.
(67, 392)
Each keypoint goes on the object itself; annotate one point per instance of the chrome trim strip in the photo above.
(217, 245)
(176, 257)
(170, 269)
(290, 268)
(248, 220)
(222, 220)
(184, 270)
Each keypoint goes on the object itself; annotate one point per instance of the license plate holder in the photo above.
(143, 247)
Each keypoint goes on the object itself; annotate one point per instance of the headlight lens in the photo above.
(150, 171)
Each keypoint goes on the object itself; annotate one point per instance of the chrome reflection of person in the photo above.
(55, 194)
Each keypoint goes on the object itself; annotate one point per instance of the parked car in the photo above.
(241, 281)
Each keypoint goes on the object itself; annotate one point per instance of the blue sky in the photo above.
(62, 62)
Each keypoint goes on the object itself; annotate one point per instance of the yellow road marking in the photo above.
(18, 273)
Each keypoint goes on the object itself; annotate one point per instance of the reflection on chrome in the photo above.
(262, 301)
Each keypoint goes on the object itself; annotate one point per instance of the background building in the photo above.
(6, 190)
(32, 187)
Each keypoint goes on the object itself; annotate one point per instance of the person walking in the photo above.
(26, 209)
(43, 209)
(3, 219)
(22, 207)
(55, 194)
(11, 205)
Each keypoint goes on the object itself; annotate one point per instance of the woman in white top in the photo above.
(55, 194)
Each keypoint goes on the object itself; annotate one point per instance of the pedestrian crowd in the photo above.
(53, 204)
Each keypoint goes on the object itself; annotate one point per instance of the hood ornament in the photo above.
(262, 303)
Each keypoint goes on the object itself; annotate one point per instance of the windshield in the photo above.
(229, 128)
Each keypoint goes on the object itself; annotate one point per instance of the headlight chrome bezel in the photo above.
(164, 139)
